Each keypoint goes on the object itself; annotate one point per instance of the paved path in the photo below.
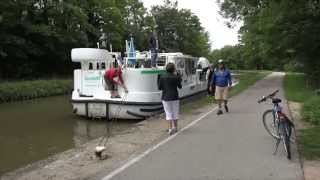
(233, 146)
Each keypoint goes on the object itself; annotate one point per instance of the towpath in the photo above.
(232, 146)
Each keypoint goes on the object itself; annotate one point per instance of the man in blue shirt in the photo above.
(221, 79)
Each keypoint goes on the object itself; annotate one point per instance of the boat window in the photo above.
(187, 67)
(161, 61)
(190, 66)
(90, 66)
(180, 63)
(146, 63)
(103, 65)
(98, 65)
(194, 66)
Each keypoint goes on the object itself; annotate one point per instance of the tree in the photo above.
(36, 36)
(180, 30)
(232, 55)
(278, 33)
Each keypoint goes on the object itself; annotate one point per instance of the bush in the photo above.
(311, 110)
(292, 67)
(14, 91)
(310, 141)
(295, 87)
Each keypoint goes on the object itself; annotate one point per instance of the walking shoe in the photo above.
(226, 108)
(219, 112)
(170, 132)
(175, 130)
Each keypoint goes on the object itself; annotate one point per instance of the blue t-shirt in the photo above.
(221, 78)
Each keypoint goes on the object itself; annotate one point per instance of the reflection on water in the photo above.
(34, 130)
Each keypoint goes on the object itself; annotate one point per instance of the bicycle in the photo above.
(277, 124)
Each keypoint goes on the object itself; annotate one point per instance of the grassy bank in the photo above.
(246, 79)
(309, 138)
(295, 88)
(24, 90)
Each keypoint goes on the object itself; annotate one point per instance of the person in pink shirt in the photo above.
(112, 84)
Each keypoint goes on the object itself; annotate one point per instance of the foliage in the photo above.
(310, 141)
(232, 55)
(13, 91)
(295, 87)
(36, 36)
(34, 33)
(179, 30)
(292, 66)
(311, 110)
(275, 33)
(296, 90)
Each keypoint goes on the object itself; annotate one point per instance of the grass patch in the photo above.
(308, 138)
(296, 90)
(310, 142)
(24, 90)
(246, 79)
(295, 87)
(311, 111)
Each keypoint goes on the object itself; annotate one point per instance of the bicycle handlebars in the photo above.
(264, 98)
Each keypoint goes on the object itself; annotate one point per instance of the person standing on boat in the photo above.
(112, 84)
(222, 81)
(169, 83)
(153, 47)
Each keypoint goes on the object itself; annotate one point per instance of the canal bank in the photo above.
(80, 162)
(37, 129)
(26, 90)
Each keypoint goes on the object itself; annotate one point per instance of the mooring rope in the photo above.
(110, 123)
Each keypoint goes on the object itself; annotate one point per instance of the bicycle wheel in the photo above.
(270, 123)
(285, 136)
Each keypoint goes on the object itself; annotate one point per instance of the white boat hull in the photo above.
(109, 109)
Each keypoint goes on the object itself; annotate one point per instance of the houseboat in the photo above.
(91, 99)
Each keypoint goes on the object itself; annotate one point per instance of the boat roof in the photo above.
(147, 54)
(91, 54)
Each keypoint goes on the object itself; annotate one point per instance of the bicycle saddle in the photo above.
(276, 100)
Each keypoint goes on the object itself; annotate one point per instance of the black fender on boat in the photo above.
(151, 110)
(142, 117)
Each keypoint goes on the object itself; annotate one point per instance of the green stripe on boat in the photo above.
(152, 71)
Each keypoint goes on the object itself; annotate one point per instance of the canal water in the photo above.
(34, 130)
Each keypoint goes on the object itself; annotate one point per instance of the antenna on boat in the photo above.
(127, 47)
(126, 53)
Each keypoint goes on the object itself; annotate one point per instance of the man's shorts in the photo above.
(171, 109)
(221, 93)
(110, 85)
